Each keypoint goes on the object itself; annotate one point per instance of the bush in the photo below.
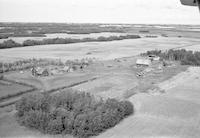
(33, 102)
(71, 112)
(128, 107)
(55, 126)
(35, 119)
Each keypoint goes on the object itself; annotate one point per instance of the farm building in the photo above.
(39, 71)
(154, 58)
(143, 62)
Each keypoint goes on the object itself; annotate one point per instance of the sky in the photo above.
(99, 11)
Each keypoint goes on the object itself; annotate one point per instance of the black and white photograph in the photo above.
(99, 68)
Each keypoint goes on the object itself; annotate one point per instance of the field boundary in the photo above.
(49, 91)
(9, 96)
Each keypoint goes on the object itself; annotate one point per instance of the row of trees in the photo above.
(75, 113)
(182, 55)
(30, 63)
(11, 43)
(27, 64)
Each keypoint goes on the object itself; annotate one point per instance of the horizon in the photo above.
(95, 23)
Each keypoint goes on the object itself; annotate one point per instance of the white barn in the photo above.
(143, 62)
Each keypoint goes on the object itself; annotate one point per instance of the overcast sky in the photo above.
(99, 11)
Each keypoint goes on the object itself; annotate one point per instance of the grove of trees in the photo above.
(182, 55)
(30, 63)
(71, 112)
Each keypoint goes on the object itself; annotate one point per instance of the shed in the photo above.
(143, 62)
(154, 57)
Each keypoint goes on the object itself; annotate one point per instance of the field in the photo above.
(8, 88)
(174, 114)
(166, 100)
(98, 50)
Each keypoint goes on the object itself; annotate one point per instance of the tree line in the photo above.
(30, 63)
(186, 57)
(10, 43)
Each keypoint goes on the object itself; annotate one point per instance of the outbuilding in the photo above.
(154, 58)
(143, 62)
